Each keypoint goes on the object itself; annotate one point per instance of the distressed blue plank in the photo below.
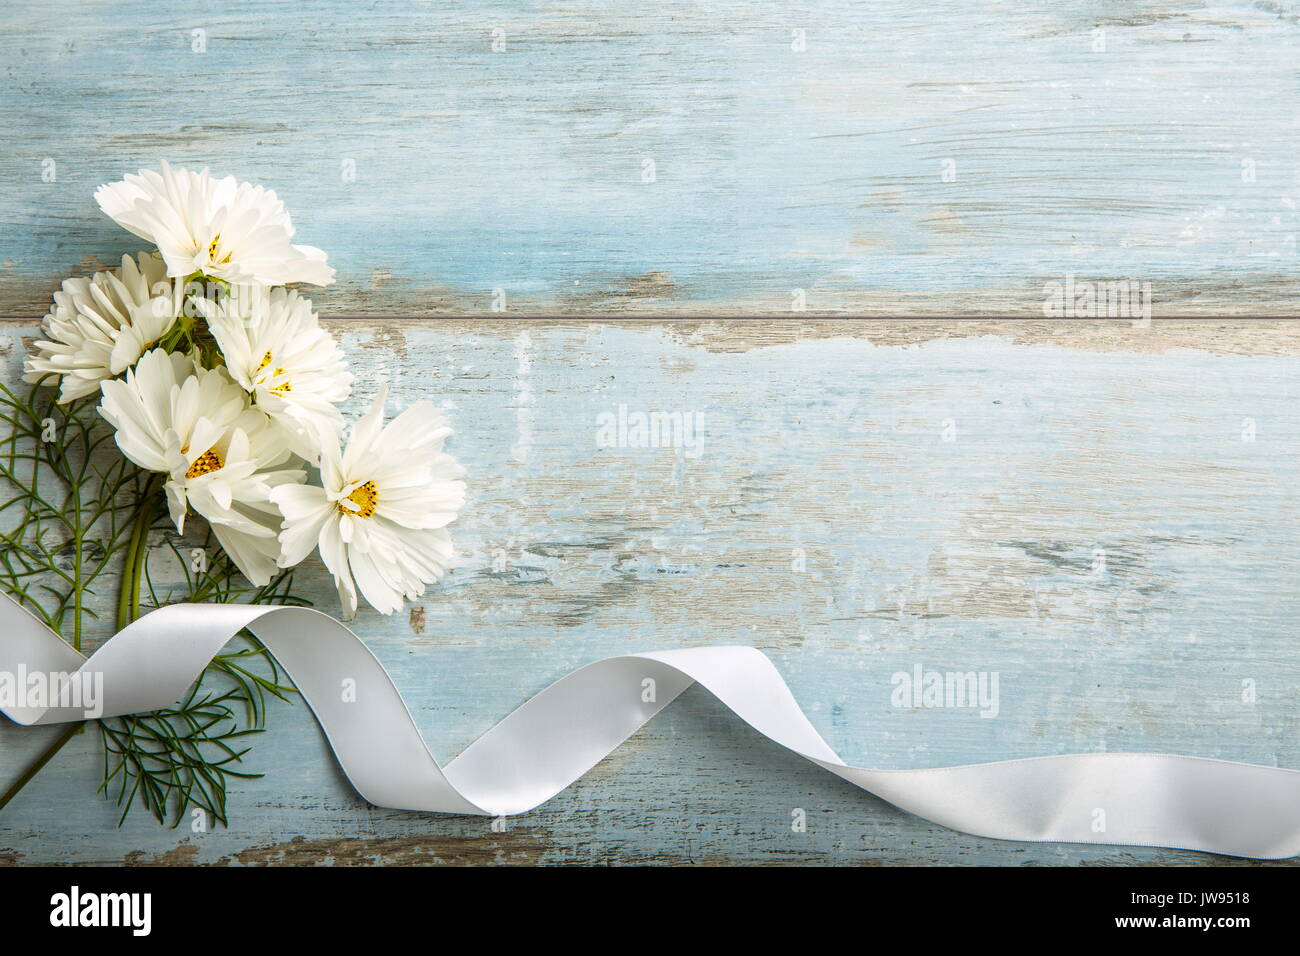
(1168, 156)
(975, 554)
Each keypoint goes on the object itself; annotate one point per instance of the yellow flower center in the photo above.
(365, 497)
(209, 461)
(212, 251)
(275, 373)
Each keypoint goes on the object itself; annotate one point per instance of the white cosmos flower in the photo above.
(275, 349)
(220, 456)
(220, 227)
(100, 324)
(380, 519)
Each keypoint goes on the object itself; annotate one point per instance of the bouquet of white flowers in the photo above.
(222, 393)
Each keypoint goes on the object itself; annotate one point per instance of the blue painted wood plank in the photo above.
(678, 157)
(824, 517)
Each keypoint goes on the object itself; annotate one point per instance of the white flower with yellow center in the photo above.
(276, 350)
(100, 324)
(380, 516)
(220, 456)
(220, 227)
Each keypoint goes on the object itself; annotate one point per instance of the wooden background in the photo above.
(445, 178)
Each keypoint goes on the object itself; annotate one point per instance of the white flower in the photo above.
(275, 349)
(380, 519)
(220, 455)
(220, 227)
(99, 325)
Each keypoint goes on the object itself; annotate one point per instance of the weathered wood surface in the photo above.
(793, 148)
(824, 440)
(437, 170)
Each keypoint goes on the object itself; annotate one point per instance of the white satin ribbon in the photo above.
(560, 734)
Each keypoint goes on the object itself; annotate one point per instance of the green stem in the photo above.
(70, 731)
(128, 599)
(128, 609)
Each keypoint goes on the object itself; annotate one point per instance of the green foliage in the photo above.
(68, 500)
(74, 512)
(172, 761)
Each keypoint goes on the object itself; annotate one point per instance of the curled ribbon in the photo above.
(549, 742)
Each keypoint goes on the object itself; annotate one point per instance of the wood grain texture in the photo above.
(1169, 156)
(973, 554)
